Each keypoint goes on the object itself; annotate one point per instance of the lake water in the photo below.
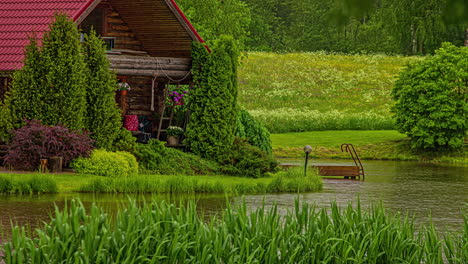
(427, 191)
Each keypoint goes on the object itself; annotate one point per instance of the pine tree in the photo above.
(103, 116)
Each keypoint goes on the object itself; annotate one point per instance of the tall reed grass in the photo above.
(163, 233)
(291, 181)
(32, 184)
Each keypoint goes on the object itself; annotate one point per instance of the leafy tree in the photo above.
(432, 100)
(213, 18)
(103, 116)
(213, 102)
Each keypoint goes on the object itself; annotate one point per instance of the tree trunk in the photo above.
(56, 164)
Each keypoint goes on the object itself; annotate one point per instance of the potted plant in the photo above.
(124, 88)
(173, 134)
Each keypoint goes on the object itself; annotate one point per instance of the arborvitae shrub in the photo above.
(246, 160)
(26, 100)
(108, 164)
(51, 85)
(213, 102)
(35, 141)
(432, 100)
(253, 131)
(103, 116)
(124, 141)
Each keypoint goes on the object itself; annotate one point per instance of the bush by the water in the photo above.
(156, 158)
(432, 100)
(106, 163)
(253, 131)
(33, 185)
(35, 141)
(163, 233)
(246, 160)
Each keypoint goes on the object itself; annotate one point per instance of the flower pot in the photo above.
(172, 140)
(123, 92)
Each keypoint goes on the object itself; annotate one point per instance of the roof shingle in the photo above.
(20, 18)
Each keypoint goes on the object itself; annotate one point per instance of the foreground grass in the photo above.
(316, 91)
(163, 233)
(289, 181)
(371, 145)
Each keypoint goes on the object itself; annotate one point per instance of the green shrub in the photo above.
(156, 158)
(213, 102)
(432, 100)
(253, 131)
(105, 163)
(124, 142)
(246, 160)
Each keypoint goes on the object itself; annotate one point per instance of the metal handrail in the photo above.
(352, 151)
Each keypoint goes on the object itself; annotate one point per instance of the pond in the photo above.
(428, 191)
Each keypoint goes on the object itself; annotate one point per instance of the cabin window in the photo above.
(96, 21)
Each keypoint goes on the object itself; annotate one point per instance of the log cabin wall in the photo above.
(139, 97)
(115, 26)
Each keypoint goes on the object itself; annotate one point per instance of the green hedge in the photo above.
(106, 163)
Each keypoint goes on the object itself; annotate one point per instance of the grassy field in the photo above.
(378, 144)
(288, 181)
(315, 91)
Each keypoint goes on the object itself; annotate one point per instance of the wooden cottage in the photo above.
(149, 44)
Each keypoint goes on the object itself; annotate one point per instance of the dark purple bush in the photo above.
(35, 141)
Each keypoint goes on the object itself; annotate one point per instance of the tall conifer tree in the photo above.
(64, 72)
(103, 116)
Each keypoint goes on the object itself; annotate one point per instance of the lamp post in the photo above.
(307, 150)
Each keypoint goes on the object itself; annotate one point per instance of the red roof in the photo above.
(19, 18)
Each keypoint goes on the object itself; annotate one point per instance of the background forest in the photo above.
(409, 27)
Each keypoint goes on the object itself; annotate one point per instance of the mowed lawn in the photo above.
(331, 139)
(375, 144)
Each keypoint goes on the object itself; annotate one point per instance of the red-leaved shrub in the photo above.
(35, 141)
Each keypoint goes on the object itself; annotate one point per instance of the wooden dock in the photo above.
(346, 171)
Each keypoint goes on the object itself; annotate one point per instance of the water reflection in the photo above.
(420, 189)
